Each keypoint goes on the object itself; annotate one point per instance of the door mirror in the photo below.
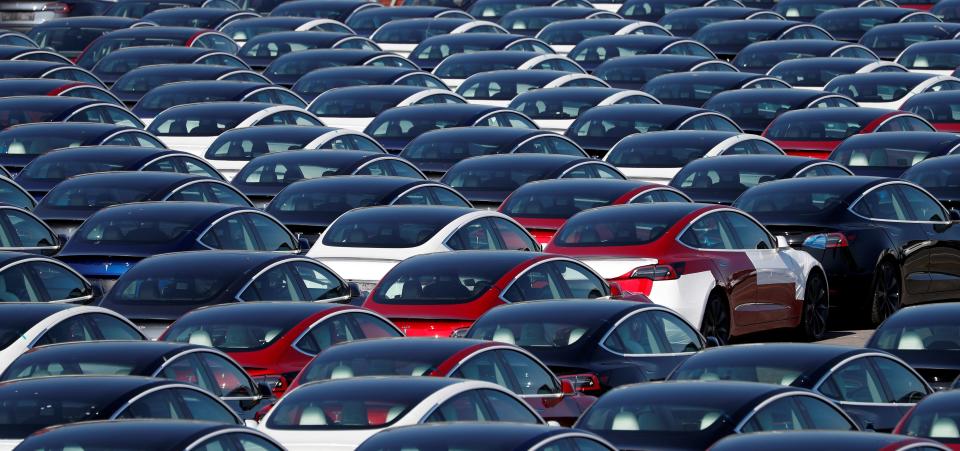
(712, 342)
(782, 242)
(354, 290)
(303, 245)
(265, 391)
(566, 387)
(954, 214)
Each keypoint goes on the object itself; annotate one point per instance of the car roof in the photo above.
(337, 158)
(381, 74)
(582, 93)
(393, 93)
(606, 24)
(88, 21)
(409, 346)
(838, 63)
(813, 439)
(35, 86)
(123, 155)
(785, 95)
(157, 180)
(637, 62)
(313, 37)
(808, 45)
(307, 133)
(24, 67)
(933, 141)
(737, 395)
(934, 97)
(197, 70)
(239, 110)
(160, 434)
(506, 259)
(186, 54)
(921, 315)
(515, 57)
(392, 213)
(646, 41)
(197, 212)
(32, 312)
(767, 25)
(287, 312)
(912, 78)
(487, 39)
(585, 310)
(191, 12)
(505, 135)
(886, 12)
(41, 129)
(414, 386)
(698, 138)
(236, 263)
(347, 56)
(751, 162)
(62, 103)
(811, 357)
(941, 45)
(727, 78)
(846, 185)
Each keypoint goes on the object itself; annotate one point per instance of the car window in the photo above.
(580, 282)
(508, 408)
(904, 124)
(277, 284)
(232, 233)
(485, 366)
(221, 443)
(230, 380)
(24, 231)
(193, 166)
(203, 407)
(467, 406)
(531, 377)
(882, 203)
(476, 235)
(680, 337)
(922, 206)
(72, 329)
(226, 195)
(320, 283)
(159, 404)
(822, 415)
(636, 335)
(420, 196)
(821, 170)
(783, 414)
(512, 236)
(854, 382)
(11, 195)
(550, 145)
(250, 442)
(537, 283)
(111, 328)
(709, 232)
(904, 386)
(330, 331)
(445, 196)
(17, 286)
(748, 233)
(187, 369)
(370, 326)
(273, 236)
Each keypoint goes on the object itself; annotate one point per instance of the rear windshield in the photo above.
(920, 58)
(60, 169)
(419, 283)
(933, 176)
(464, 69)
(557, 203)
(869, 91)
(860, 157)
(408, 127)
(493, 179)
(194, 123)
(659, 153)
(813, 129)
(495, 89)
(171, 284)
(134, 231)
(234, 334)
(378, 230)
(765, 374)
(25, 144)
(771, 202)
(249, 147)
(613, 228)
(94, 196)
(342, 407)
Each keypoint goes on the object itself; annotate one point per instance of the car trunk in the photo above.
(433, 327)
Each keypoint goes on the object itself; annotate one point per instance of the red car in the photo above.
(815, 132)
(716, 266)
(542, 207)
(273, 341)
(438, 294)
(499, 363)
(936, 417)
(936, 107)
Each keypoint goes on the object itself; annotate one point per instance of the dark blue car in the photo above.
(499, 436)
(687, 21)
(32, 109)
(319, 81)
(367, 101)
(728, 37)
(46, 69)
(369, 20)
(633, 72)
(133, 85)
(12, 87)
(818, 71)
(760, 57)
(754, 109)
(339, 10)
(118, 63)
(287, 69)
(205, 17)
(529, 21)
(695, 88)
(593, 52)
(262, 50)
(70, 35)
(431, 51)
(242, 30)
(849, 24)
(153, 36)
(890, 154)
(180, 93)
(888, 40)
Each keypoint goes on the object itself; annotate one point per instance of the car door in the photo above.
(944, 241)
(858, 388)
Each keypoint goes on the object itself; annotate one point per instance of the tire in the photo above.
(716, 319)
(887, 292)
(816, 308)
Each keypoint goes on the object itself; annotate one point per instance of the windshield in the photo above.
(771, 203)
(610, 227)
(246, 148)
(190, 122)
(472, 177)
(408, 127)
(413, 283)
(61, 168)
(234, 333)
(860, 157)
(558, 202)
(94, 196)
(813, 129)
(869, 91)
(381, 230)
(919, 58)
(342, 406)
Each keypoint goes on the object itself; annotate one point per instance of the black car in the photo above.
(307, 207)
(242, 30)
(153, 36)
(150, 435)
(807, 440)
(499, 436)
(873, 387)
(401, 36)
(529, 21)
(728, 37)
(885, 234)
(431, 51)
(178, 93)
(118, 63)
(205, 17)
(487, 180)
(554, 109)
(369, 20)
(22, 143)
(816, 72)
(22, 231)
(265, 176)
(925, 337)
(207, 368)
(47, 170)
(32, 109)
(888, 40)
(695, 88)
(754, 109)
(693, 415)
(28, 277)
(136, 9)
(134, 84)
(396, 127)
(936, 107)
(687, 21)
(162, 288)
(633, 72)
(494, 10)
(434, 152)
(260, 51)
(103, 398)
(339, 10)
(947, 10)
(890, 89)
(12, 87)
(849, 24)
(596, 346)
(654, 10)
(565, 34)
(807, 10)
(287, 69)
(13, 194)
(19, 53)
(70, 35)
(593, 52)
(316, 82)
(45, 69)
(890, 154)
(453, 69)
(939, 176)
(599, 128)
(762, 56)
(501, 86)
(354, 106)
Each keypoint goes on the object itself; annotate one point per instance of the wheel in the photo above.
(716, 319)
(816, 308)
(886, 293)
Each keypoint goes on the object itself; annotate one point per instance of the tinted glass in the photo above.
(611, 229)
(382, 231)
(424, 284)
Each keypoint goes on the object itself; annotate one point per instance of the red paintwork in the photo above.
(196, 35)
(950, 127)
(822, 149)
(921, 7)
(66, 87)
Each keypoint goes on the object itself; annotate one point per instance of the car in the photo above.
(243, 29)
(307, 207)
(169, 95)
(437, 294)
(153, 36)
(436, 151)
(402, 36)
(694, 415)
(849, 24)
(265, 176)
(367, 21)
(930, 57)
(873, 387)
(431, 51)
(592, 52)
(564, 35)
(686, 22)
(866, 232)
(32, 109)
(118, 63)
(136, 9)
(339, 10)
(923, 336)
(498, 88)
(937, 177)
(817, 132)
(487, 180)
(598, 129)
(946, 10)
(106, 397)
(364, 244)
(753, 110)
(803, 440)
(500, 363)
(633, 72)
(209, 369)
(760, 57)
(529, 21)
(287, 69)
(318, 81)
(808, 10)
(890, 154)
(728, 37)
(657, 157)
(695, 88)
(21, 144)
(43, 173)
(354, 107)
(814, 73)
(233, 149)
(889, 40)
(12, 87)
(273, 341)
(194, 127)
(19, 53)
(555, 109)
(935, 107)
(669, 252)
(543, 206)
(115, 238)
(132, 86)
(349, 411)
(396, 127)
(595, 346)
(454, 69)
(934, 417)
(205, 17)
(46, 69)
(68, 36)
(722, 180)
(494, 10)
(260, 51)
(654, 10)
(163, 435)
(889, 90)
(29, 324)
(502, 436)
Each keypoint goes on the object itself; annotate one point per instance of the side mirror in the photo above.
(354, 290)
(954, 214)
(868, 426)
(782, 242)
(712, 342)
(566, 387)
(303, 245)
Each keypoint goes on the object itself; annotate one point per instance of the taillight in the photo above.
(585, 382)
(655, 272)
(827, 240)
(56, 7)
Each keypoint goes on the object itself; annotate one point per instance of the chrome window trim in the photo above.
(749, 416)
(506, 110)
(296, 341)
(510, 284)
(864, 355)
(388, 158)
(430, 185)
(897, 182)
(592, 162)
(291, 260)
(767, 78)
(687, 41)
(631, 314)
(822, 163)
(714, 61)
(545, 134)
(828, 96)
(100, 104)
(273, 88)
(152, 390)
(210, 180)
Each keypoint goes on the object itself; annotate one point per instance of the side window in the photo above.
(159, 404)
(144, 140)
(882, 203)
(512, 236)
(904, 386)
(29, 231)
(320, 283)
(370, 326)
(605, 172)
(419, 196)
(230, 380)
(514, 120)
(221, 443)
(445, 196)
(277, 284)
(781, 415)
(72, 329)
(821, 170)
(823, 415)
(203, 407)
(402, 169)
(507, 408)
(272, 234)
(187, 369)
(58, 282)
(378, 167)
(537, 283)
(581, 283)
(191, 193)
(679, 335)
(636, 335)
(531, 377)
(196, 167)
(16, 286)
(922, 206)
(749, 233)
(438, 98)
(670, 196)
(250, 442)
(231, 233)
(226, 195)
(765, 148)
(854, 382)
(111, 328)
(740, 148)
(709, 232)
(477, 235)
(467, 406)
(164, 165)
(904, 124)
(120, 117)
(328, 333)
(485, 367)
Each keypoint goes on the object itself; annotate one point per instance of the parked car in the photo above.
(924, 337)
(753, 110)
(33, 109)
(889, 90)
(163, 435)
(396, 127)
(153, 36)
(937, 177)
(354, 107)
(431, 51)
(728, 37)
(814, 73)
(890, 154)
(502, 436)
(761, 57)
(555, 109)
(134, 85)
(402, 36)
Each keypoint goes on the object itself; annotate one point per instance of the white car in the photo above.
(354, 107)
(339, 414)
(658, 156)
(889, 90)
(564, 35)
(930, 57)
(499, 87)
(195, 126)
(815, 73)
(29, 324)
(556, 109)
(402, 36)
(235, 148)
(362, 245)
(456, 68)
